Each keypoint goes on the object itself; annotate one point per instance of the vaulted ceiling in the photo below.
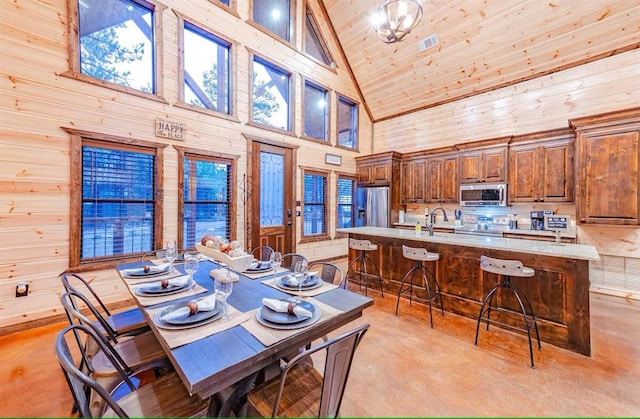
(482, 45)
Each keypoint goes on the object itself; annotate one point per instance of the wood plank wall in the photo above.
(36, 101)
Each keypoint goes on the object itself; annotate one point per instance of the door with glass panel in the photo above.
(271, 221)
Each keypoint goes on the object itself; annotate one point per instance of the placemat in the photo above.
(175, 338)
(149, 301)
(305, 293)
(256, 275)
(268, 336)
(142, 279)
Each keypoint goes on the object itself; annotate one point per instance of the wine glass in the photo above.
(276, 262)
(191, 264)
(171, 253)
(300, 271)
(223, 286)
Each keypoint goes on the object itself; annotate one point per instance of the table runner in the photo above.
(268, 336)
(149, 301)
(305, 293)
(175, 338)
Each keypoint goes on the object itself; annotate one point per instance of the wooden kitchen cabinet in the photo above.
(607, 160)
(413, 180)
(483, 161)
(442, 184)
(378, 169)
(541, 167)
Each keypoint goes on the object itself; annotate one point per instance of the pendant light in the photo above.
(394, 19)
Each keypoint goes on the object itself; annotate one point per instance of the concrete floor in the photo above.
(405, 368)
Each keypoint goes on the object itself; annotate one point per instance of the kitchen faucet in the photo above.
(432, 217)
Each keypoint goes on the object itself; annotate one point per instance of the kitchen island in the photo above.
(559, 291)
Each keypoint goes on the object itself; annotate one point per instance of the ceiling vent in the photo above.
(428, 42)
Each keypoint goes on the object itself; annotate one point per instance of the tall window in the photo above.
(274, 15)
(347, 123)
(207, 197)
(271, 95)
(117, 42)
(346, 215)
(314, 44)
(117, 202)
(315, 204)
(207, 70)
(316, 115)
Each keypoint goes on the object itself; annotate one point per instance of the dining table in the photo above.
(217, 354)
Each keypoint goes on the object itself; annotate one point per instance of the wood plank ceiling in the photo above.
(483, 45)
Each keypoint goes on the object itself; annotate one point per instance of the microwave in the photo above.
(483, 195)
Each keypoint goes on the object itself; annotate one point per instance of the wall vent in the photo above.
(428, 42)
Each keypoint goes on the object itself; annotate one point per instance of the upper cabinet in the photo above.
(483, 161)
(442, 181)
(607, 155)
(413, 179)
(541, 167)
(378, 169)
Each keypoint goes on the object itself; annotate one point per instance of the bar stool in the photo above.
(421, 257)
(359, 265)
(506, 269)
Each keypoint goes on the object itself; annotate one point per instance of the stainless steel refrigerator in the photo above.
(372, 206)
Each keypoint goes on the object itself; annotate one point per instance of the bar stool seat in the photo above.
(422, 257)
(506, 269)
(358, 272)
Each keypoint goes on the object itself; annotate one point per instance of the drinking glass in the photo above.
(223, 286)
(300, 271)
(276, 262)
(171, 252)
(191, 264)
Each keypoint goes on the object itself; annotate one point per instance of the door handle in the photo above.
(289, 214)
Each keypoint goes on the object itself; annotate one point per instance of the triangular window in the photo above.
(314, 44)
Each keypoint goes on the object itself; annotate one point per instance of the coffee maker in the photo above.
(537, 219)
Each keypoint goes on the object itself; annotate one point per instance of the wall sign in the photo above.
(333, 159)
(170, 129)
(557, 222)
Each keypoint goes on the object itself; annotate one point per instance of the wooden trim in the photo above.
(492, 142)
(316, 29)
(231, 8)
(268, 141)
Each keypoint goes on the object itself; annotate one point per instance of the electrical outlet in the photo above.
(22, 289)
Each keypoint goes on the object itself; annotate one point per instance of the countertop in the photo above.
(564, 250)
(527, 232)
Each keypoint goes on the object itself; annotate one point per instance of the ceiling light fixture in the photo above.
(394, 19)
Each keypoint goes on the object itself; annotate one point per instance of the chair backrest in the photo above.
(155, 254)
(329, 272)
(502, 266)
(73, 302)
(262, 253)
(289, 259)
(80, 381)
(339, 356)
(74, 282)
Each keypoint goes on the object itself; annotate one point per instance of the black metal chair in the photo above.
(330, 273)
(505, 269)
(262, 253)
(300, 390)
(289, 260)
(163, 396)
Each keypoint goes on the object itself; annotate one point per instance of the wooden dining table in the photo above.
(212, 363)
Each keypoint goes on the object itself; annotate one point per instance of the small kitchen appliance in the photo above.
(537, 219)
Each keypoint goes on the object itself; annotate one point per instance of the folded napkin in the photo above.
(293, 281)
(260, 264)
(149, 269)
(281, 306)
(179, 281)
(192, 307)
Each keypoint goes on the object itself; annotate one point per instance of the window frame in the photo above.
(75, 71)
(354, 179)
(292, 23)
(77, 139)
(208, 33)
(355, 120)
(309, 18)
(291, 102)
(318, 86)
(308, 238)
(213, 157)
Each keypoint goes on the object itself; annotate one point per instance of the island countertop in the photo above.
(563, 250)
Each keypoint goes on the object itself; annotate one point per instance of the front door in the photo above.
(270, 214)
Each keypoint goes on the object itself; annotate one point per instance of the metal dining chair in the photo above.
(124, 322)
(289, 260)
(164, 396)
(300, 390)
(330, 273)
(262, 253)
